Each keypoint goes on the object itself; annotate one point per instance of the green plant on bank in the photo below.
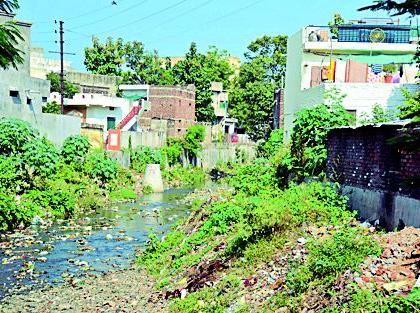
(308, 152)
(38, 179)
(174, 150)
(142, 156)
(14, 135)
(193, 140)
(75, 149)
(188, 177)
(267, 149)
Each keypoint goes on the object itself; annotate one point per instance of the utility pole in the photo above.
(62, 65)
(61, 52)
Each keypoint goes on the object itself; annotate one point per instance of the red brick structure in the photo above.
(173, 103)
(382, 175)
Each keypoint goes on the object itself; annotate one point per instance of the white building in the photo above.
(354, 63)
(96, 109)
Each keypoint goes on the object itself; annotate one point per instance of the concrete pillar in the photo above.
(153, 177)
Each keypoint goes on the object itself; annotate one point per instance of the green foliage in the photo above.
(13, 177)
(41, 158)
(328, 258)
(411, 107)
(255, 178)
(379, 115)
(10, 37)
(174, 150)
(308, 152)
(52, 108)
(251, 97)
(268, 149)
(101, 168)
(210, 300)
(178, 176)
(193, 140)
(59, 203)
(14, 135)
(123, 194)
(389, 68)
(338, 20)
(106, 58)
(13, 215)
(75, 149)
(146, 155)
(69, 89)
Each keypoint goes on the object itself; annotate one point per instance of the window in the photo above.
(111, 108)
(44, 99)
(28, 101)
(110, 123)
(14, 93)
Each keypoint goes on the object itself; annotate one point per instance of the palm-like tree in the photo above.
(10, 36)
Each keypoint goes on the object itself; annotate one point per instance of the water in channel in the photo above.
(91, 245)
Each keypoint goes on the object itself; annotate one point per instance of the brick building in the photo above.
(173, 103)
(381, 178)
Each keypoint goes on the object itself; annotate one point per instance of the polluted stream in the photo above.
(91, 245)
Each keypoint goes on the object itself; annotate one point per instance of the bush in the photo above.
(269, 148)
(75, 149)
(174, 150)
(255, 178)
(40, 158)
(14, 135)
(12, 215)
(59, 203)
(308, 152)
(52, 108)
(101, 168)
(179, 176)
(328, 258)
(13, 178)
(194, 137)
(145, 155)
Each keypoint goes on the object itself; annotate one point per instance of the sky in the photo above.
(169, 26)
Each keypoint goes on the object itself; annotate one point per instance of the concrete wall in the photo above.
(55, 127)
(214, 153)
(93, 83)
(95, 135)
(32, 92)
(379, 177)
(149, 138)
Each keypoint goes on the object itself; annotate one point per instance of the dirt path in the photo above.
(123, 291)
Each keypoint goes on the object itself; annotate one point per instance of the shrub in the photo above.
(269, 148)
(40, 158)
(255, 178)
(174, 150)
(179, 176)
(328, 258)
(13, 178)
(59, 203)
(75, 149)
(14, 135)
(52, 108)
(101, 168)
(308, 152)
(194, 137)
(145, 155)
(12, 215)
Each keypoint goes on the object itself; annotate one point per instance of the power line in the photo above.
(111, 16)
(144, 17)
(180, 15)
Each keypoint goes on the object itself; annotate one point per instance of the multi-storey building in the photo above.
(368, 61)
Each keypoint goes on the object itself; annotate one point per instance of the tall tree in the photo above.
(201, 70)
(252, 97)
(10, 54)
(105, 58)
